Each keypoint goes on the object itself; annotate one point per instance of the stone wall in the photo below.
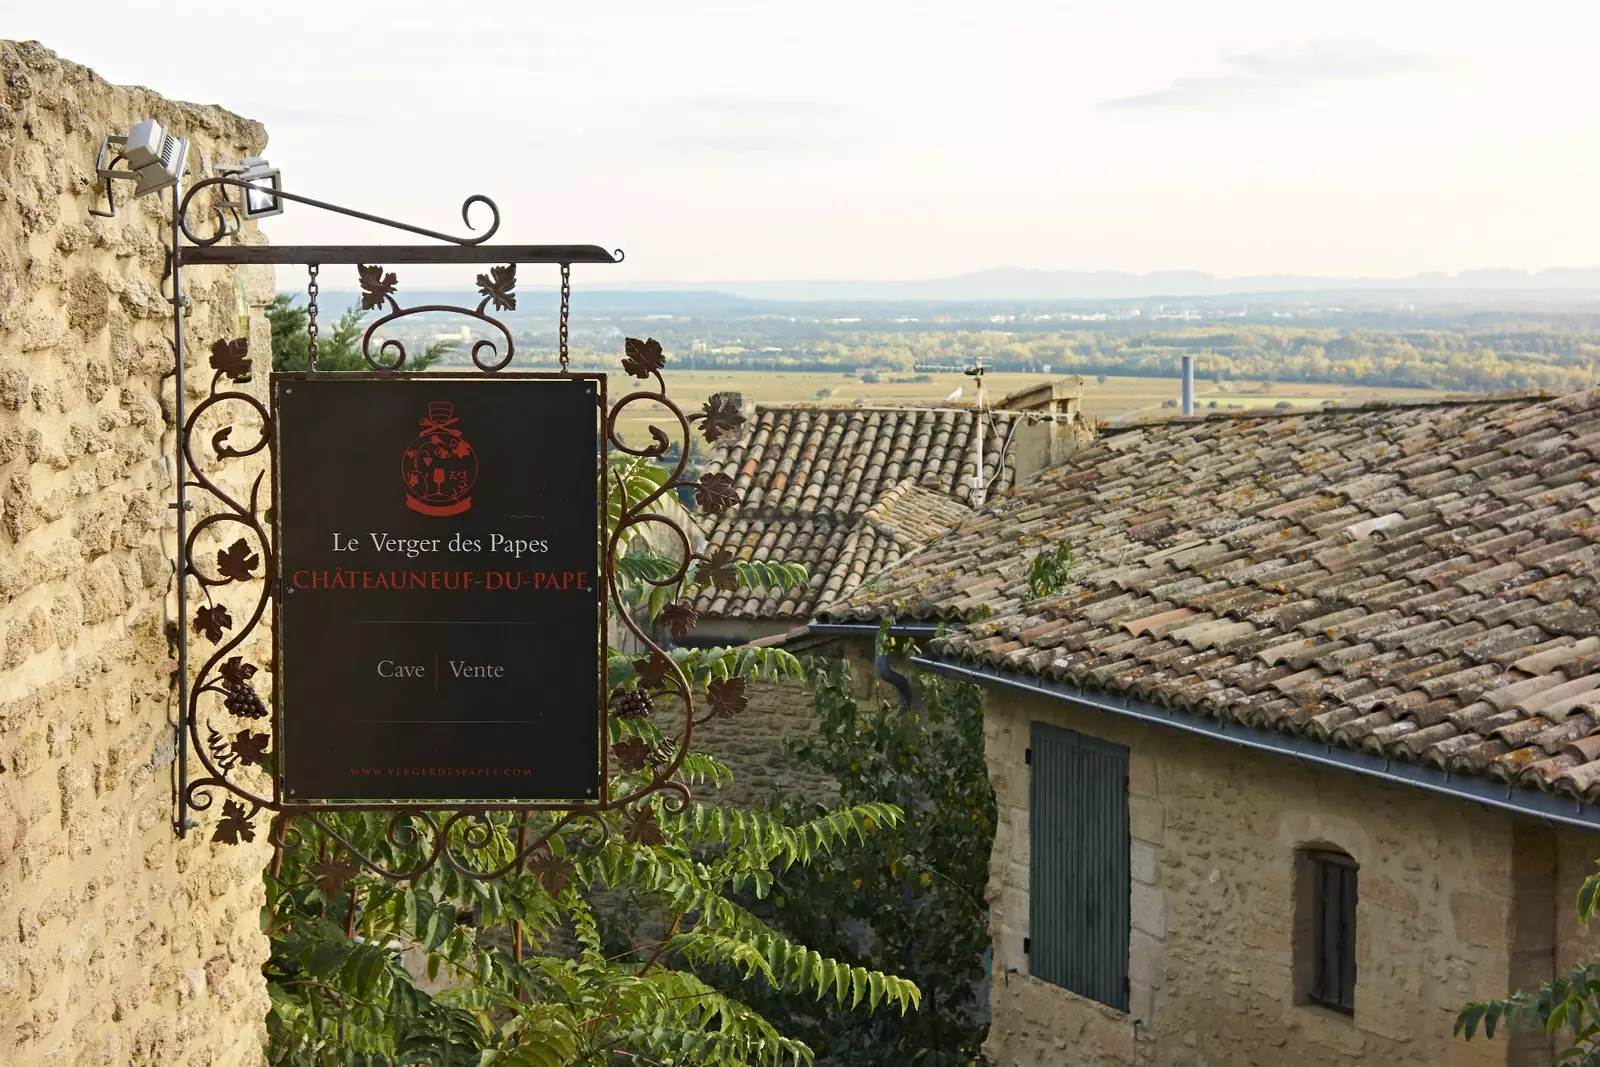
(1456, 903)
(754, 744)
(119, 943)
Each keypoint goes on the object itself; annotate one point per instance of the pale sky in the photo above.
(903, 140)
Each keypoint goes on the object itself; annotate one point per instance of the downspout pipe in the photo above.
(1526, 803)
(902, 685)
(908, 698)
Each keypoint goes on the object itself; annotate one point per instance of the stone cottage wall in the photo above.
(119, 943)
(1456, 903)
(755, 744)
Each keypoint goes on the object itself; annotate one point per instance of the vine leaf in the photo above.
(642, 357)
(652, 672)
(375, 285)
(234, 826)
(632, 754)
(332, 876)
(497, 286)
(212, 621)
(679, 618)
(722, 415)
(232, 358)
(727, 696)
(236, 562)
(551, 870)
(237, 673)
(715, 494)
(714, 570)
(250, 748)
(641, 828)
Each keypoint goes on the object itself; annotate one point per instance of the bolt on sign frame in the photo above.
(221, 689)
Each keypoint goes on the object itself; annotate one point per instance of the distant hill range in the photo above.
(1013, 285)
(1019, 283)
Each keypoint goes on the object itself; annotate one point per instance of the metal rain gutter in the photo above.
(1528, 803)
(870, 629)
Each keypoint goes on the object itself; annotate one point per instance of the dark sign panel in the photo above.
(439, 611)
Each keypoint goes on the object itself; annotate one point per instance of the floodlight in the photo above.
(155, 155)
(264, 180)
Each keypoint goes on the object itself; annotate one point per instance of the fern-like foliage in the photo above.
(906, 896)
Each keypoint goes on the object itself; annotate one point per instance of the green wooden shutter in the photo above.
(1078, 873)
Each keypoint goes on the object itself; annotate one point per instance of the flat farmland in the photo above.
(1117, 399)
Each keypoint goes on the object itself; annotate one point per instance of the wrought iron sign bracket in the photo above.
(223, 719)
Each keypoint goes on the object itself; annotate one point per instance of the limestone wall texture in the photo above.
(119, 943)
(754, 744)
(1456, 903)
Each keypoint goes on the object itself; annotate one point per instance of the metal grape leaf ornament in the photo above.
(250, 748)
(715, 570)
(230, 357)
(236, 672)
(679, 619)
(652, 672)
(332, 876)
(497, 286)
(727, 696)
(722, 415)
(212, 621)
(641, 358)
(236, 562)
(551, 870)
(641, 828)
(715, 494)
(632, 754)
(234, 826)
(375, 285)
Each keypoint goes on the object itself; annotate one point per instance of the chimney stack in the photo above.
(1188, 385)
(1053, 425)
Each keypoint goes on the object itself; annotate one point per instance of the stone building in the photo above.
(847, 491)
(119, 943)
(1303, 753)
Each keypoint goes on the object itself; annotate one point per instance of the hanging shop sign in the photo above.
(439, 610)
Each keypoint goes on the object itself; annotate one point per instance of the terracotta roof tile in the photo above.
(1416, 581)
(846, 491)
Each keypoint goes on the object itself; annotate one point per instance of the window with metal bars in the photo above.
(1333, 931)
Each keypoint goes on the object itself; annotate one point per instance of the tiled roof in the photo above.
(845, 491)
(1411, 581)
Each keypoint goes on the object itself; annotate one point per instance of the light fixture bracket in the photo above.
(154, 160)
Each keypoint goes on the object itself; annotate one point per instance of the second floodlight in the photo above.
(257, 199)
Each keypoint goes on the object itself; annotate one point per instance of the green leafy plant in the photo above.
(1566, 1009)
(531, 969)
(1050, 571)
(338, 349)
(911, 900)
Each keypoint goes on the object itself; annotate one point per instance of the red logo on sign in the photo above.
(440, 466)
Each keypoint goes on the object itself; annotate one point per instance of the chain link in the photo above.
(311, 317)
(566, 307)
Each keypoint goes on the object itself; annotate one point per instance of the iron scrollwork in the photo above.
(417, 836)
(497, 286)
(228, 222)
